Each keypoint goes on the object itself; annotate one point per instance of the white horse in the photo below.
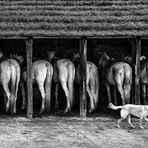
(92, 81)
(118, 74)
(10, 76)
(64, 73)
(42, 72)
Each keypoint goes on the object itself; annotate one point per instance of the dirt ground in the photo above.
(69, 131)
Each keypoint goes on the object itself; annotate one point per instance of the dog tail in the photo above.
(114, 107)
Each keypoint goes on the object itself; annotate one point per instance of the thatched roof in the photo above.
(41, 18)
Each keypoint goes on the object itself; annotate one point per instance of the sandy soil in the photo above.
(58, 130)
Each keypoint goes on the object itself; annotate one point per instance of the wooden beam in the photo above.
(29, 48)
(83, 74)
(133, 54)
(137, 70)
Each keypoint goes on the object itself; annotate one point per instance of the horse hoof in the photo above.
(67, 110)
(91, 110)
(41, 111)
(7, 109)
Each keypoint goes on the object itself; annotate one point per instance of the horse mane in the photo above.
(103, 59)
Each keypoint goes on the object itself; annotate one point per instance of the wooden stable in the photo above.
(83, 90)
(136, 53)
(81, 19)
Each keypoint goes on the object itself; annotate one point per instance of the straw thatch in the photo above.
(41, 18)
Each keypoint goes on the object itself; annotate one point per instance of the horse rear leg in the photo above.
(64, 86)
(89, 90)
(13, 97)
(108, 92)
(48, 92)
(127, 90)
(6, 89)
(94, 86)
(121, 91)
(71, 78)
(42, 91)
(14, 87)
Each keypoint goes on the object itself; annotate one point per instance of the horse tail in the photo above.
(127, 74)
(114, 107)
(15, 78)
(96, 90)
(127, 82)
(18, 75)
(71, 77)
(48, 82)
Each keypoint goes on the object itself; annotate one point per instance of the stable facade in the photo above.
(81, 19)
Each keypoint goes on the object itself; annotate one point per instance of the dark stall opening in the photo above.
(10, 47)
(66, 48)
(63, 48)
(114, 48)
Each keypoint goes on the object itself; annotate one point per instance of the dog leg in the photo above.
(129, 121)
(123, 115)
(141, 122)
(118, 122)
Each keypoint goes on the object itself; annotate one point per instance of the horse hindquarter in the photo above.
(10, 73)
(39, 74)
(66, 75)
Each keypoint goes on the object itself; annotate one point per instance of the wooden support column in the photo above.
(137, 70)
(29, 48)
(133, 54)
(83, 74)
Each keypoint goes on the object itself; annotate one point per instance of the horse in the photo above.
(64, 74)
(42, 72)
(116, 73)
(143, 74)
(9, 78)
(92, 82)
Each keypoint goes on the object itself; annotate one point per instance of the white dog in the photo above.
(140, 111)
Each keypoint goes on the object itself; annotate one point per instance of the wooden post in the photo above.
(29, 48)
(83, 74)
(133, 54)
(137, 70)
